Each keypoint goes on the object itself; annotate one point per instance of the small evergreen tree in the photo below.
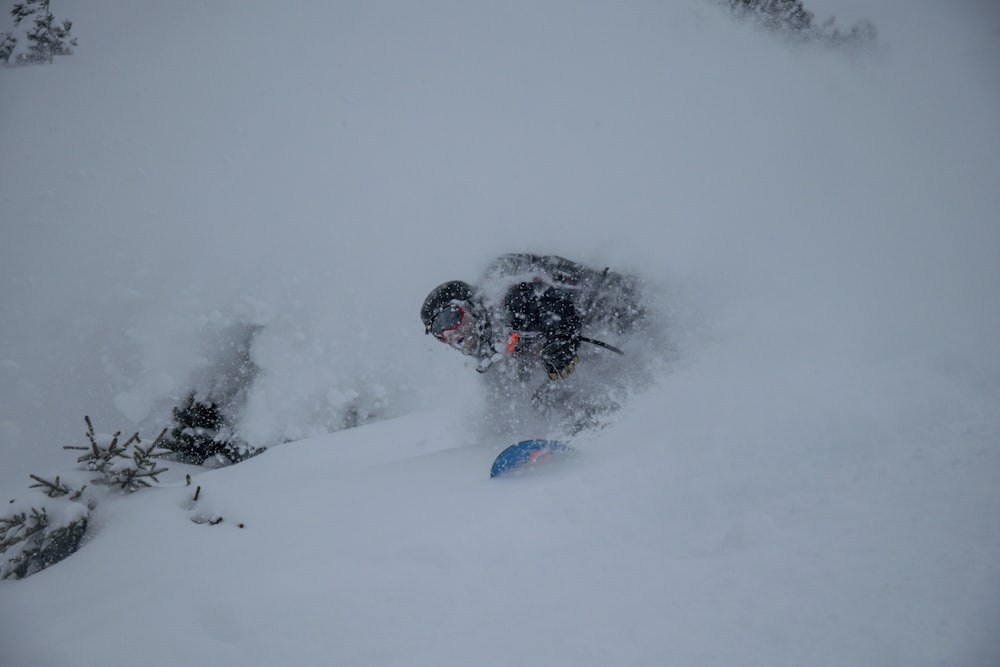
(34, 541)
(200, 433)
(33, 538)
(776, 14)
(204, 428)
(7, 44)
(794, 20)
(47, 37)
(128, 469)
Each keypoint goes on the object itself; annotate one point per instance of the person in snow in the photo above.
(532, 310)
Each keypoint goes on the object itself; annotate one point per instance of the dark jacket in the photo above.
(533, 300)
(606, 302)
(536, 309)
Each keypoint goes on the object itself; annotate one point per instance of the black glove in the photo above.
(559, 357)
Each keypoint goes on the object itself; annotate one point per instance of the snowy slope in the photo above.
(812, 481)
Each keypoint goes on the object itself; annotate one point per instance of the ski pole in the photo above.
(600, 343)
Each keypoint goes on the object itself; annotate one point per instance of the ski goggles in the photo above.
(447, 320)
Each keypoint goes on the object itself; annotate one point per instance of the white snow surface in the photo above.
(813, 478)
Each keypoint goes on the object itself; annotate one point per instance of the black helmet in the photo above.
(441, 296)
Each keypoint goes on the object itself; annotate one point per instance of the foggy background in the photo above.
(199, 167)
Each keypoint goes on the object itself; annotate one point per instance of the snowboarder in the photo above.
(532, 309)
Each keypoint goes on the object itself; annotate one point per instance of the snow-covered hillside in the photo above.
(812, 480)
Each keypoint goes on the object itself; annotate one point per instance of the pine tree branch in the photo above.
(57, 488)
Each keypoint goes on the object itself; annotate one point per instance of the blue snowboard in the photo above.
(526, 453)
